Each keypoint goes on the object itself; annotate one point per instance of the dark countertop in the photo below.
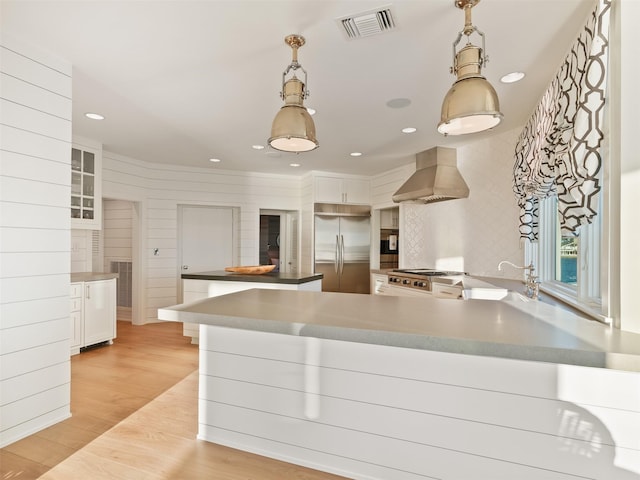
(271, 277)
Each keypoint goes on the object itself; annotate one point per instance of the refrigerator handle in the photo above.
(341, 253)
(337, 256)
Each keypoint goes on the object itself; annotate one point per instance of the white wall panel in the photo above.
(372, 410)
(35, 227)
(33, 65)
(31, 383)
(17, 314)
(33, 168)
(35, 121)
(37, 358)
(31, 240)
(23, 143)
(34, 216)
(34, 335)
(35, 97)
(21, 190)
(28, 264)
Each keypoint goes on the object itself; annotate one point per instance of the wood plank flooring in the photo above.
(134, 407)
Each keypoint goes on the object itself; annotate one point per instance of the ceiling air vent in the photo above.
(368, 23)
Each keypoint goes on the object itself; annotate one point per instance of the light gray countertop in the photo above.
(271, 277)
(510, 329)
(92, 276)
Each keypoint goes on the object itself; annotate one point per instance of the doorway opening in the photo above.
(279, 240)
(120, 253)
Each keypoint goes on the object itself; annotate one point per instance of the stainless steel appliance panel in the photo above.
(342, 247)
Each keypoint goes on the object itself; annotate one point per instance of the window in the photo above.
(569, 266)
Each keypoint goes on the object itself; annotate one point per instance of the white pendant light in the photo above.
(471, 104)
(293, 129)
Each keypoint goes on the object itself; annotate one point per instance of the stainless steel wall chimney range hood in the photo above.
(436, 178)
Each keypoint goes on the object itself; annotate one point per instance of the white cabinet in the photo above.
(93, 313)
(342, 190)
(86, 187)
(76, 317)
(390, 218)
(99, 311)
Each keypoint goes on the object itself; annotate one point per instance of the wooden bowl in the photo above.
(253, 270)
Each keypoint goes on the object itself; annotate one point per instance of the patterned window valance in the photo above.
(558, 152)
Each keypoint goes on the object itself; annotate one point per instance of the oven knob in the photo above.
(394, 280)
(420, 284)
(406, 282)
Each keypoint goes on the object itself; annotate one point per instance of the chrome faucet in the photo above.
(532, 285)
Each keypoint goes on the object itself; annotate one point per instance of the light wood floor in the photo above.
(134, 407)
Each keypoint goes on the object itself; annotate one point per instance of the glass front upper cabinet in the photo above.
(85, 179)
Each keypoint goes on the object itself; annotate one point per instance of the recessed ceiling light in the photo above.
(356, 154)
(294, 164)
(398, 103)
(214, 160)
(94, 116)
(257, 147)
(512, 77)
(409, 130)
(311, 111)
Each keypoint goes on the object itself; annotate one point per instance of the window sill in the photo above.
(592, 309)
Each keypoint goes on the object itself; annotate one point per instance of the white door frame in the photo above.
(138, 285)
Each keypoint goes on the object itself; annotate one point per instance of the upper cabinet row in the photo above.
(342, 190)
(86, 186)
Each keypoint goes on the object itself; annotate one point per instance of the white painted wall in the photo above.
(161, 188)
(35, 188)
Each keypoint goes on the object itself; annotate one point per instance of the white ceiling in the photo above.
(182, 81)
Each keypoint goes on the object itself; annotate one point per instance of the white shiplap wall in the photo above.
(161, 188)
(117, 216)
(377, 412)
(35, 122)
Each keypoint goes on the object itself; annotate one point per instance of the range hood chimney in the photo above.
(436, 178)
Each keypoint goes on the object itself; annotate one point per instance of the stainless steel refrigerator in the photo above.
(342, 245)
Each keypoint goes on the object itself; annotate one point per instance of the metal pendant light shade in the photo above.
(471, 105)
(293, 129)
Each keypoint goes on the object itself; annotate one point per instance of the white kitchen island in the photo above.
(417, 388)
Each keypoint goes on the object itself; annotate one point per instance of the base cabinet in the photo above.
(93, 313)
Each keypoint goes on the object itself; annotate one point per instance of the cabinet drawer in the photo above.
(446, 291)
(76, 290)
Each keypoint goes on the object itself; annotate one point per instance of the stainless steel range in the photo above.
(422, 279)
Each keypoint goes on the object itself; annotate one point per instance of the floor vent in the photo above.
(368, 23)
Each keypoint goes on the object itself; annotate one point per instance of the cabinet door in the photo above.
(86, 187)
(328, 190)
(99, 311)
(356, 191)
(342, 190)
